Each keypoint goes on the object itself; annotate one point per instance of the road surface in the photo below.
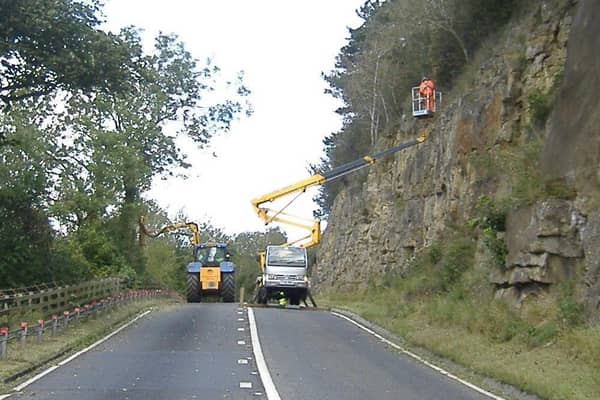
(204, 351)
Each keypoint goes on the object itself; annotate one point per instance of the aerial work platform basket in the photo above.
(425, 106)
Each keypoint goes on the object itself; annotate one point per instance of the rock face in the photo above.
(410, 200)
(544, 247)
(571, 151)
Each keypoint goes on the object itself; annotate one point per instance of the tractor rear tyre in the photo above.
(192, 288)
(228, 287)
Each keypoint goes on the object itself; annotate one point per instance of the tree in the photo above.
(245, 248)
(121, 141)
(50, 44)
(80, 154)
(25, 230)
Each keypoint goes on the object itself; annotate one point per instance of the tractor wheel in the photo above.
(192, 288)
(262, 295)
(228, 287)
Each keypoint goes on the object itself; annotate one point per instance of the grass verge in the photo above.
(553, 364)
(445, 304)
(75, 337)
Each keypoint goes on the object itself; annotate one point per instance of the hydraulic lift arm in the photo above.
(269, 215)
(192, 226)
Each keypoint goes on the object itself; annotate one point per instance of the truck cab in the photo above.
(285, 274)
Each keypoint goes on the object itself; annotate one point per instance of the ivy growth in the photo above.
(491, 221)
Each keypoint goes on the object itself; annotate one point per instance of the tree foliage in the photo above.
(51, 44)
(87, 120)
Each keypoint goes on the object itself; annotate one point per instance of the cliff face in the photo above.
(487, 140)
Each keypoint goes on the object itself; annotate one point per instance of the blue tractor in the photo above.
(211, 273)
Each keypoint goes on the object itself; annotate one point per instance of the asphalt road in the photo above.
(189, 352)
(204, 351)
(318, 356)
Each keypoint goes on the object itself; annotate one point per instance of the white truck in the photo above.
(284, 275)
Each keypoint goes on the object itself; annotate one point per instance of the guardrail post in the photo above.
(66, 319)
(54, 324)
(77, 312)
(40, 330)
(24, 328)
(3, 342)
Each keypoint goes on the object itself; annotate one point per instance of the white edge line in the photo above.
(63, 362)
(265, 376)
(418, 358)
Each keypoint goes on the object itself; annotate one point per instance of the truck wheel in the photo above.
(228, 287)
(192, 288)
(295, 300)
(262, 295)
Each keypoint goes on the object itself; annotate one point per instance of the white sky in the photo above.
(283, 46)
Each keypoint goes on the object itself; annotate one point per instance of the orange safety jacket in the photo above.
(426, 90)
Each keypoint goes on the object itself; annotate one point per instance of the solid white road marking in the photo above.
(60, 364)
(418, 358)
(265, 376)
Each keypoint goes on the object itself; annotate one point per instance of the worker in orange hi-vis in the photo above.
(427, 92)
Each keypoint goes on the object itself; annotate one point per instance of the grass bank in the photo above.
(544, 347)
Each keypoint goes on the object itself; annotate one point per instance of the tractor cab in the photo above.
(425, 105)
(211, 253)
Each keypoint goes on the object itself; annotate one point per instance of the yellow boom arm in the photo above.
(192, 226)
(269, 215)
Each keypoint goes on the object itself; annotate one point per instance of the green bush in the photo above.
(541, 106)
(571, 313)
(541, 334)
(491, 220)
(455, 261)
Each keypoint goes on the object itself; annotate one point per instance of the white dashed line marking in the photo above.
(241, 329)
(242, 361)
(241, 342)
(245, 385)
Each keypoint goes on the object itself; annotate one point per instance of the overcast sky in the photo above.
(283, 46)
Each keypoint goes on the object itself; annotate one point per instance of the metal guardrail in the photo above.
(57, 322)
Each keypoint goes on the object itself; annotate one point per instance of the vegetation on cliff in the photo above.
(398, 43)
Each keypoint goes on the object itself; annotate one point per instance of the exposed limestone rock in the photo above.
(409, 201)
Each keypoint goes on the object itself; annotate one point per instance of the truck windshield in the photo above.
(286, 256)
